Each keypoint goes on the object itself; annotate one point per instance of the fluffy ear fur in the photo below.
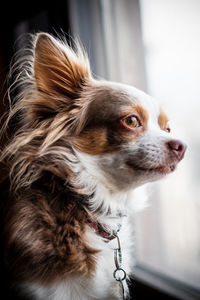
(49, 82)
(58, 69)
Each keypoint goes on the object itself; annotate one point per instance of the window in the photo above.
(171, 35)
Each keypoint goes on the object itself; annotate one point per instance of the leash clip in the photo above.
(119, 273)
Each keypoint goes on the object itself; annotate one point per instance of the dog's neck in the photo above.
(103, 209)
(108, 210)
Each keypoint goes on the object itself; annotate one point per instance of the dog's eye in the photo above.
(131, 122)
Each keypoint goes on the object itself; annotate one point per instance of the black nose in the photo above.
(178, 148)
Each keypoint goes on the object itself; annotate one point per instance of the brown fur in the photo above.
(94, 141)
(57, 71)
(44, 239)
(45, 236)
(163, 120)
(48, 115)
(143, 115)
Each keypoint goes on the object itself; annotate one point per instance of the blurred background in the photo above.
(155, 46)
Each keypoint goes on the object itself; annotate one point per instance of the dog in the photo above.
(81, 147)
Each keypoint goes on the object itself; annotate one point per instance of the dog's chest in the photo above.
(102, 285)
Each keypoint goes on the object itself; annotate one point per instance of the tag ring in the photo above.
(115, 273)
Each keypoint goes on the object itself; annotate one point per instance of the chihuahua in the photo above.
(80, 148)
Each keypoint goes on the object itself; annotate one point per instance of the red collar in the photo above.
(94, 224)
(99, 229)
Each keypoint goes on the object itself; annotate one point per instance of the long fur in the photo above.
(74, 156)
(34, 143)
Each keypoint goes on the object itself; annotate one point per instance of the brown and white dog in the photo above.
(81, 148)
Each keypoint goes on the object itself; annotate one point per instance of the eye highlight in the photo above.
(130, 122)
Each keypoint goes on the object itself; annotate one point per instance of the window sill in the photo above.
(149, 282)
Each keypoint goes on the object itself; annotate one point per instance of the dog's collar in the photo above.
(97, 226)
(100, 229)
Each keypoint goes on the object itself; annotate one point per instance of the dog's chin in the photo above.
(153, 171)
(134, 176)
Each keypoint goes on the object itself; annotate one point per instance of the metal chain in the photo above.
(119, 274)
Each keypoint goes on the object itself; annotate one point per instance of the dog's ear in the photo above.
(58, 70)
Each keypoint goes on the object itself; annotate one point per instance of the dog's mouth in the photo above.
(165, 169)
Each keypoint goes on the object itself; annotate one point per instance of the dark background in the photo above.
(15, 20)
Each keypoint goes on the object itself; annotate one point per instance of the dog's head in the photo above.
(126, 138)
(118, 133)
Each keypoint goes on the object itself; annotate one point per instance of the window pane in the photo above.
(168, 231)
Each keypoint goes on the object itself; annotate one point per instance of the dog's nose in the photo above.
(178, 148)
